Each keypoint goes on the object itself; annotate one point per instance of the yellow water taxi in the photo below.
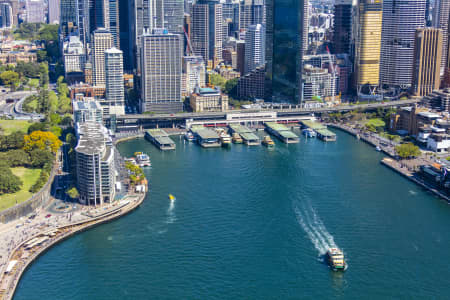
(171, 197)
(268, 142)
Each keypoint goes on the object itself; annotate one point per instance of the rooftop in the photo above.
(206, 133)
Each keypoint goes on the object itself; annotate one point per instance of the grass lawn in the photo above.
(376, 122)
(28, 177)
(9, 126)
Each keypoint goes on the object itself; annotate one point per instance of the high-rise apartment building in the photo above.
(367, 29)
(342, 36)
(161, 72)
(114, 21)
(6, 16)
(427, 61)
(53, 11)
(255, 42)
(115, 90)
(101, 40)
(441, 20)
(95, 169)
(35, 11)
(284, 50)
(207, 31)
(401, 18)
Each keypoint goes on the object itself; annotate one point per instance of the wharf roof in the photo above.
(282, 130)
(314, 125)
(164, 140)
(157, 133)
(249, 136)
(325, 132)
(206, 133)
(240, 129)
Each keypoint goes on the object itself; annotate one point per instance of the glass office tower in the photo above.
(284, 50)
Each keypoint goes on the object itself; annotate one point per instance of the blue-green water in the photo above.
(251, 223)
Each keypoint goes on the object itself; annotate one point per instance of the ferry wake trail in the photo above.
(170, 211)
(313, 227)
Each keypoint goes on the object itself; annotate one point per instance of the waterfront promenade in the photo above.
(28, 243)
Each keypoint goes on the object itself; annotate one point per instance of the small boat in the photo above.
(237, 138)
(268, 142)
(188, 136)
(378, 148)
(225, 139)
(131, 160)
(137, 153)
(143, 160)
(336, 259)
(171, 197)
(308, 132)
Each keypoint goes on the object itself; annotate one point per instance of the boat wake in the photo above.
(170, 212)
(314, 228)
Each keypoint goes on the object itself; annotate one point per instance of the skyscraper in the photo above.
(53, 11)
(114, 21)
(102, 40)
(98, 14)
(6, 17)
(68, 17)
(367, 30)
(255, 42)
(115, 91)
(127, 33)
(342, 35)
(441, 21)
(252, 12)
(207, 31)
(427, 61)
(284, 50)
(15, 9)
(83, 20)
(173, 15)
(161, 72)
(35, 11)
(401, 18)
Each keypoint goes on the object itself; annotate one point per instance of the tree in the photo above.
(53, 101)
(39, 158)
(407, 150)
(71, 140)
(9, 183)
(43, 140)
(231, 87)
(12, 141)
(66, 120)
(40, 126)
(10, 78)
(54, 118)
(217, 80)
(17, 157)
(41, 55)
(73, 193)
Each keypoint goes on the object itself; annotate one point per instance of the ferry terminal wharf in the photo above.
(321, 129)
(283, 133)
(247, 134)
(207, 138)
(160, 139)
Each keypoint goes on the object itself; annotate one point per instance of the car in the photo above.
(48, 216)
(32, 217)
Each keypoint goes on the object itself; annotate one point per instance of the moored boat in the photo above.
(268, 142)
(378, 148)
(143, 160)
(188, 136)
(308, 132)
(237, 139)
(225, 139)
(336, 259)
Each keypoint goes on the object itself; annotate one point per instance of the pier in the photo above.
(282, 133)
(160, 139)
(322, 131)
(247, 134)
(207, 138)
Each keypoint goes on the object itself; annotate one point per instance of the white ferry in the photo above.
(336, 259)
(143, 160)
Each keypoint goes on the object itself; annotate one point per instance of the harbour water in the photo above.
(253, 223)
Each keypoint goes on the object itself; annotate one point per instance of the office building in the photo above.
(441, 20)
(194, 70)
(401, 18)
(231, 13)
(427, 61)
(342, 35)
(53, 11)
(98, 14)
(161, 72)
(102, 40)
(95, 170)
(208, 99)
(127, 34)
(74, 59)
(14, 4)
(367, 29)
(284, 51)
(115, 90)
(87, 111)
(318, 83)
(252, 12)
(114, 21)
(207, 31)
(6, 17)
(35, 11)
(173, 15)
(68, 17)
(255, 42)
(251, 85)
